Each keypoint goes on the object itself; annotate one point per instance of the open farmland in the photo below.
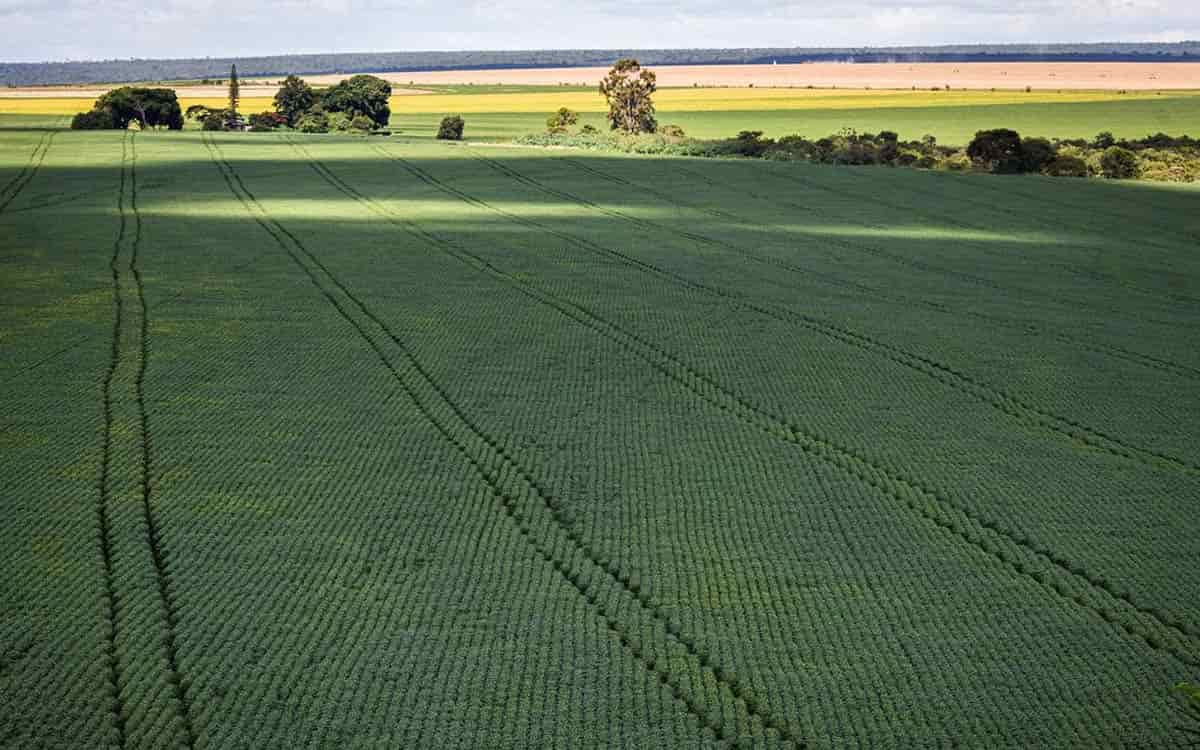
(502, 112)
(337, 442)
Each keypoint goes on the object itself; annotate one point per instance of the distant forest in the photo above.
(119, 71)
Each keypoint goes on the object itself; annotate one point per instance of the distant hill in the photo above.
(114, 71)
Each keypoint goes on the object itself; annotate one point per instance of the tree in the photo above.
(1036, 153)
(360, 95)
(235, 95)
(1118, 163)
(451, 128)
(1104, 139)
(151, 108)
(294, 98)
(561, 120)
(628, 89)
(999, 150)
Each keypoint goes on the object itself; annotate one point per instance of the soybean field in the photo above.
(319, 441)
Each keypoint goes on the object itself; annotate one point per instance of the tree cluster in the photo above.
(1157, 157)
(147, 107)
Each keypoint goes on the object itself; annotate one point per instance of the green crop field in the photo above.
(335, 442)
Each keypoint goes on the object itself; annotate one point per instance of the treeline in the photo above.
(1001, 151)
(118, 71)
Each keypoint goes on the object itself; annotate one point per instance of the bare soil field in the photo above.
(1104, 76)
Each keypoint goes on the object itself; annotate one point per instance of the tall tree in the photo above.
(294, 98)
(628, 88)
(235, 94)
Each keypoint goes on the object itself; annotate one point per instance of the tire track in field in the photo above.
(582, 567)
(116, 705)
(158, 552)
(1009, 545)
(1069, 429)
(1028, 326)
(26, 175)
(127, 423)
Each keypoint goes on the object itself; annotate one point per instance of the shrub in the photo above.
(588, 130)
(197, 112)
(998, 150)
(1036, 153)
(361, 124)
(1066, 165)
(264, 121)
(672, 131)
(749, 143)
(561, 120)
(1118, 163)
(1104, 140)
(213, 121)
(313, 122)
(338, 121)
(96, 119)
(451, 128)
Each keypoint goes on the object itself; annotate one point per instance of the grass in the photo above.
(324, 441)
(502, 112)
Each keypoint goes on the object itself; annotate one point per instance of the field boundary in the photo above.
(847, 460)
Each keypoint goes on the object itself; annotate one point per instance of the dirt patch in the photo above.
(1039, 76)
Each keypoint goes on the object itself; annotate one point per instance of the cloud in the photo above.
(81, 29)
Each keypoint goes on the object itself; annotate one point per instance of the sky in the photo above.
(35, 30)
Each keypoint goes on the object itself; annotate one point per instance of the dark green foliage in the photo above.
(93, 119)
(628, 88)
(313, 122)
(264, 121)
(293, 99)
(150, 108)
(360, 95)
(749, 143)
(1066, 165)
(451, 128)
(197, 112)
(561, 120)
(672, 131)
(1036, 153)
(214, 121)
(997, 150)
(1104, 140)
(1118, 163)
